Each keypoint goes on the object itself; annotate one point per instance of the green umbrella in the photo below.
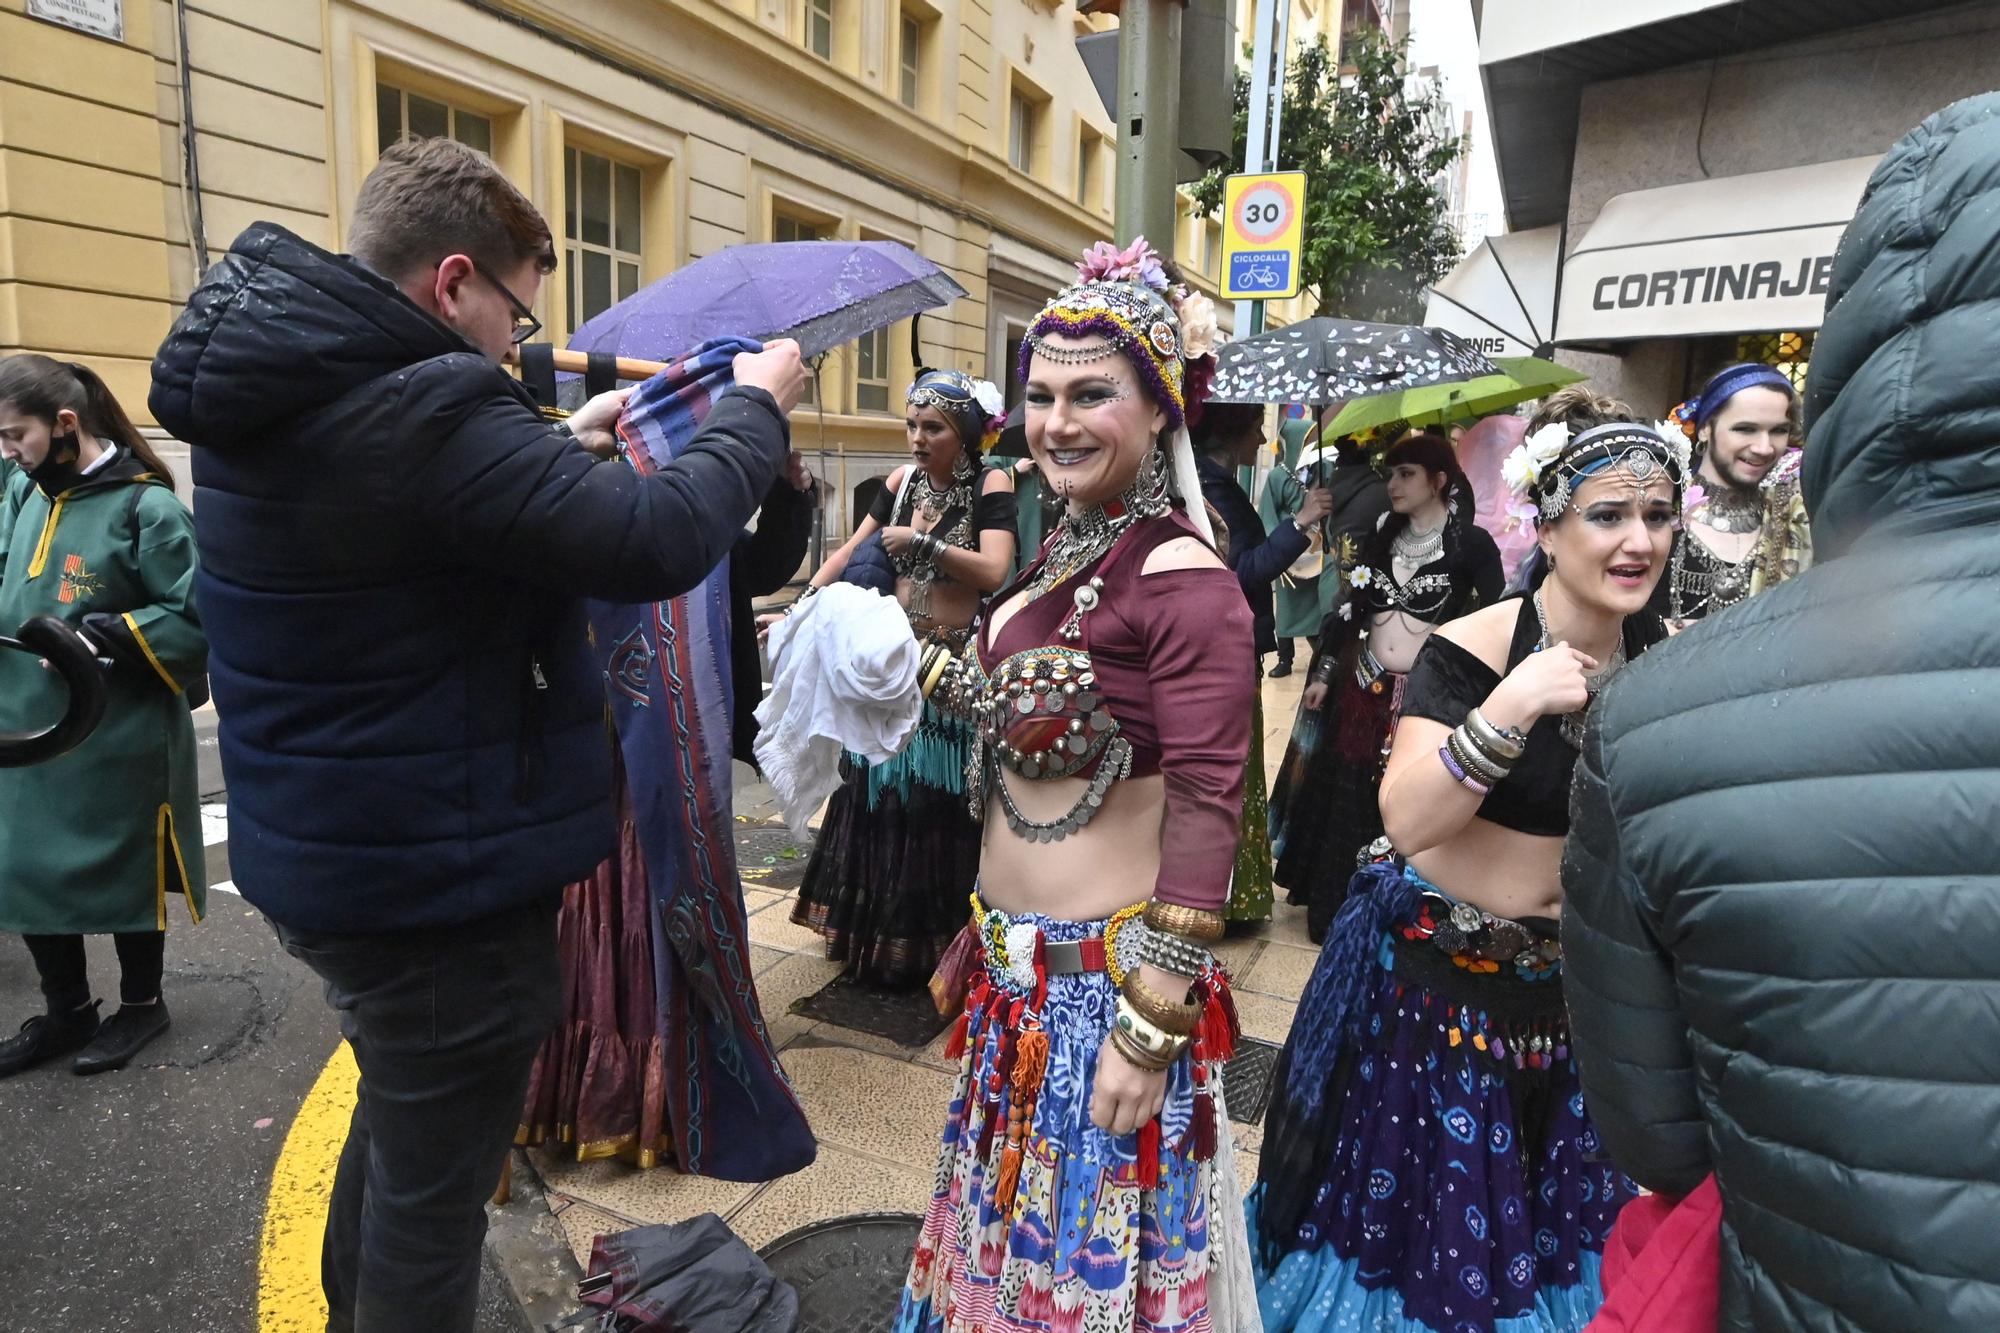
(1520, 378)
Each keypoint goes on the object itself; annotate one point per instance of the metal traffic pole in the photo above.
(1267, 107)
(1260, 148)
(1149, 77)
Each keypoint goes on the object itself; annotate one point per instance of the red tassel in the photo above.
(1217, 1030)
(1149, 1154)
(954, 1048)
(1204, 1124)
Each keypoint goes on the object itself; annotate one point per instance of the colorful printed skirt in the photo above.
(1428, 1165)
(1250, 884)
(1041, 1221)
(1324, 810)
(896, 856)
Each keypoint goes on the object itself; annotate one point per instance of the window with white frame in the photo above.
(818, 31)
(909, 57)
(1086, 167)
(401, 114)
(871, 372)
(603, 242)
(1023, 117)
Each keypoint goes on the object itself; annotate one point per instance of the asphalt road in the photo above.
(135, 1200)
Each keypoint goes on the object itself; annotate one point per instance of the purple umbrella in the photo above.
(823, 293)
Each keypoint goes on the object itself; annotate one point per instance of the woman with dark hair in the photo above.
(1746, 527)
(897, 852)
(1226, 436)
(1085, 1178)
(1428, 1162)
(1426, 563)
(97, 841)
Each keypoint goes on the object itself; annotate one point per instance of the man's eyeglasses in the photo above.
(526, 325)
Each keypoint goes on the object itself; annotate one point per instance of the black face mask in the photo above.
(58, 470)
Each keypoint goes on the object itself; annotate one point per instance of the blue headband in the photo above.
(1729, 382)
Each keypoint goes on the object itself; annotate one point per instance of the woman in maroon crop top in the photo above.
(1111, 688)
(1428, 1108)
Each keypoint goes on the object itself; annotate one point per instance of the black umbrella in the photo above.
(65, 650)
(1324, 360)
(695, 1276)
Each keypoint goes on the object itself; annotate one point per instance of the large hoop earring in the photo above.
(1150, 496)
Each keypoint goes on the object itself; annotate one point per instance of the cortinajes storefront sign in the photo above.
(1732, 255)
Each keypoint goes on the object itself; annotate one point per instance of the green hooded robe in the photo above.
(1300, 604)
(97, 841)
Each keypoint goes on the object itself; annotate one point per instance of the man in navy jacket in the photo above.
(396, 549)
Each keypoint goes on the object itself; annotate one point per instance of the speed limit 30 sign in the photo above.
(1263, 225)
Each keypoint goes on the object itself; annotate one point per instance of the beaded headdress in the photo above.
(975, 408)
(1124, 302)
(1546, 469)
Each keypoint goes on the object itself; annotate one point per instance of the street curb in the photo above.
(528, 1253)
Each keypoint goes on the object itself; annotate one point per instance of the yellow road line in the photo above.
(289, 1299)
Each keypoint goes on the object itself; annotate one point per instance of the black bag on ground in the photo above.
(683, 1277)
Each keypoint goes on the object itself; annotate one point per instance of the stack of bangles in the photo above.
(1478, 755)
(1151, 1029)
(925, 547)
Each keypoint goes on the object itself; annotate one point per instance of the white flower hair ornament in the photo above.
(1200, 334)
(987, 394)
(1681, 447)
(1524, 468)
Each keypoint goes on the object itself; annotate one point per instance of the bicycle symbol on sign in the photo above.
(1261, 277)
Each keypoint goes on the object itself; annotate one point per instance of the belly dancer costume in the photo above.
(897, 853)
(1324, 811)
(1038, 1219)
(1698, 582)
(1428, 1165)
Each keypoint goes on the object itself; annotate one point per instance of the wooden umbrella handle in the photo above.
(577, 362)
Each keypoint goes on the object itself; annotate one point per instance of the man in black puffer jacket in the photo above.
(395, 551)
(1782, 936)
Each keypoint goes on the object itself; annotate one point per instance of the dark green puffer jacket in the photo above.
(1783, 923)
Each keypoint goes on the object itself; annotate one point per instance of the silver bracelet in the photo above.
(1475, 760)
(1503, 743)
(1172, 953)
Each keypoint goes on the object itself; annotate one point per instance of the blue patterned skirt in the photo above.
(1039, 1221)
(1428, 1165)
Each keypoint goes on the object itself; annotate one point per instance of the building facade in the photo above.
(1690, 166)
(138, 138)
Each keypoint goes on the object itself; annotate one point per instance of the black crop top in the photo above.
(1448, 682)
(1467, 568)
(990, 509)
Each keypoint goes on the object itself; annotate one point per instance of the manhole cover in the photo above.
(907, 1018)
(848, 1272)
(1246, 1079)
(769, 857)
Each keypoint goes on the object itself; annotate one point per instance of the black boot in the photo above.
(1281, 670)
(46, 1036)
(123, 1035)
